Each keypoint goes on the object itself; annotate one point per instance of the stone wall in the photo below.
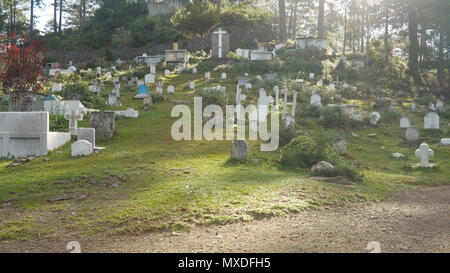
(240, 37)
(164, 6)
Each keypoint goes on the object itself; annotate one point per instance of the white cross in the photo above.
(337, 82)
(73, 118)
(424, 153)
(220, 32)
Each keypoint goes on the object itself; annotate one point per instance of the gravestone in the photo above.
(74, 116)
(153, 69)
(103, 122)
(412, 135)
(170, 89)
(224, 76)
(374, 118)
(192, 85)
(248, 86)
(319, 83)
(207, 75)
(405, 122)
(424, 153)
(239, 149)
(143, 92)
(439, 105)
(311, 76)
(57, 87)
(159, 87)
(82, 148)
(166, 72)
(220, 44)
(149, 78)
(431, 121)
(87, 134)
(413, 108)
(316, 100)
(24, 134)
(340, 146)
(258, 77)
(445, 142)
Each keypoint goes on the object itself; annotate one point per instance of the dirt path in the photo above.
(413, 221)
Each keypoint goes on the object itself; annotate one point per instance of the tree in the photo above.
(282, 9)
(21, 69)
(196, 19)
(413, 43)
(321, 21)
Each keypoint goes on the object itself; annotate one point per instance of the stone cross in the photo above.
(73, 118)
(424, 153)
(291, 118)
(220, 32)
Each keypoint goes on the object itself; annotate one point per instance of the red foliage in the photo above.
(20, 65)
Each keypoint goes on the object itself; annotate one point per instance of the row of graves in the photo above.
(25, 134)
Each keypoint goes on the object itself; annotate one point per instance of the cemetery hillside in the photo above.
(225, 126)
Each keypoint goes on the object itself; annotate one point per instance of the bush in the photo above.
(336, 117)
(210, 97)
(303, 152)
(287, 133)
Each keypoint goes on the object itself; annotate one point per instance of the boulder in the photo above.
(324, 169)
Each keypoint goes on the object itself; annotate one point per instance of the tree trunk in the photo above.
(386, 30)
(60, 15)
(345, 28)
(423, 43)
(31, 18)
(441, 56)
(362, 33)
(55, 14)
(294, 22)
(321, 21)
(282, 8)
(413, 44)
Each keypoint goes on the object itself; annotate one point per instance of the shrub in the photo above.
(287, 133)
(210, 97)
(335, 117)
(303, 152)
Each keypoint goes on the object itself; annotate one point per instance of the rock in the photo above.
(239, 149)
(372, 135)
(325, 169)
(445, 142)
(397, 155)
(337, 180)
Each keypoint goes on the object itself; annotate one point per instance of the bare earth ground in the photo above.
(412, 221)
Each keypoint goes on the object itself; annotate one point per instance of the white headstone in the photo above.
(194, 70)
(74, 116)
(57, 87)
(149, 78)
(207, 75)
(431, 121)
(374, 118)
(316, 99)
(166, 72)
(424, 153)
(170, 89)
(405, 122)
(82, 148)
(412, 134)
(224, 76)
(192, 85)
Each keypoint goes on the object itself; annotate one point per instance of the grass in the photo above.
(169, 185)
